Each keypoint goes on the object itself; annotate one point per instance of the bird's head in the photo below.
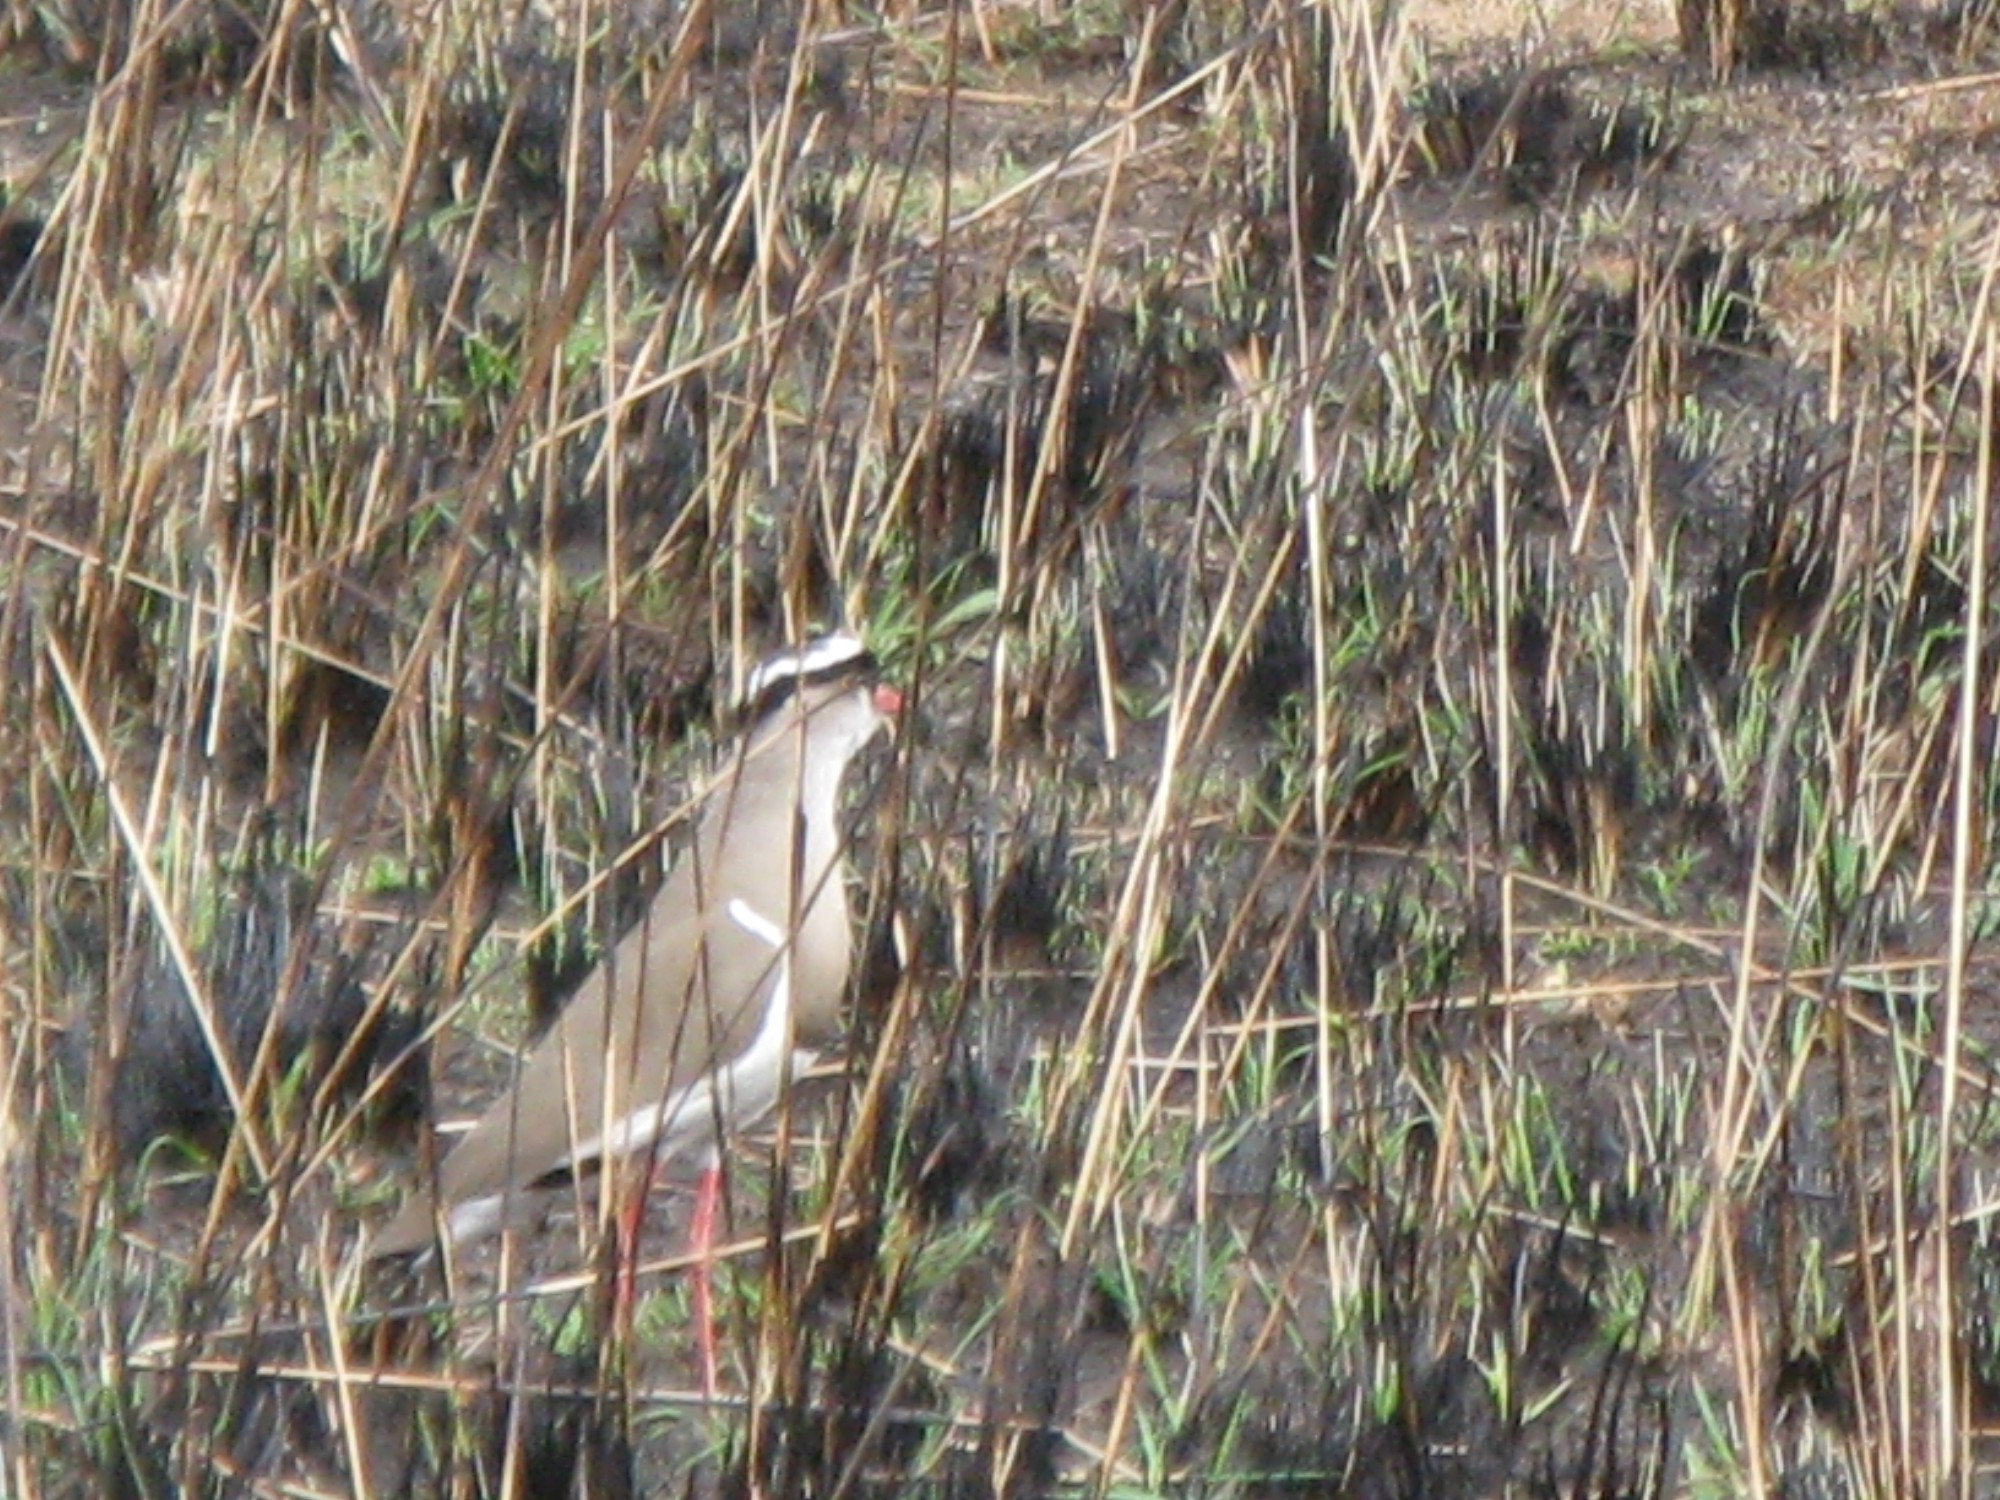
(831, 687)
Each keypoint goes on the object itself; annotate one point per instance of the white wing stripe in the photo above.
(748, 1082)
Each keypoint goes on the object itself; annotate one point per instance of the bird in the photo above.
(734, 977)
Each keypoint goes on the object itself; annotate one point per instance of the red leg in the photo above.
(708, 1194)
(631, 1220)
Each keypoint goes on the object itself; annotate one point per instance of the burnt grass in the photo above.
(1425, 932)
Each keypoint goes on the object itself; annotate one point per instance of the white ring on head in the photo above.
(822, 655)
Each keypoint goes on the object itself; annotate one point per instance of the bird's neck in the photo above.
(818, 831)
(808, 844)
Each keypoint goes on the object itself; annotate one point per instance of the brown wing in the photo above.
(678, 995)
(684, 990)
